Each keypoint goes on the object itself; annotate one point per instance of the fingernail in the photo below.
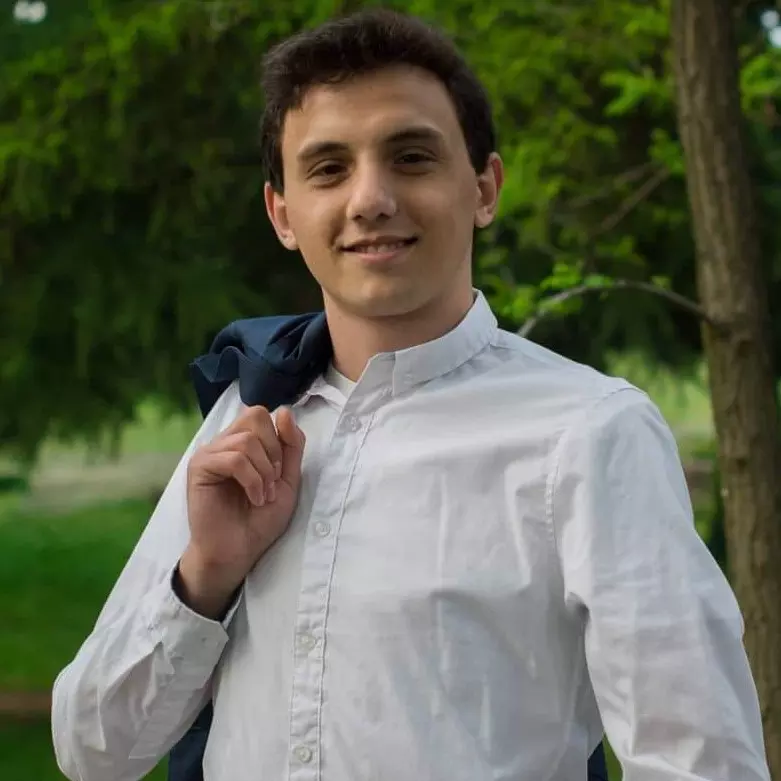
(271, 492)
(278, 469)
(260, 498)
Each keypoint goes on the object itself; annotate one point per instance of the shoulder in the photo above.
(552, 379)
(222, 414)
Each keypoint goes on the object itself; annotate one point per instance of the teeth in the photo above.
(380, 248)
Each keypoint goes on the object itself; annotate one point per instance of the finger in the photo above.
(249, 443)
(292, 440)
(258, 420)
(233, 464)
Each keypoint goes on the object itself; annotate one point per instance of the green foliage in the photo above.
(132, 222)
(128, 235)
(595, 184)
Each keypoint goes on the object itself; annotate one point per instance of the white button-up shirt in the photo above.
(493, 556)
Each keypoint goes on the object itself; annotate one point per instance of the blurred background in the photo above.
(132, 227)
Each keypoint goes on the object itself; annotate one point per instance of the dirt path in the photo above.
(25, 705)
(65, 486)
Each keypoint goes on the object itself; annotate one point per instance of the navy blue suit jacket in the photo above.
(275, 360)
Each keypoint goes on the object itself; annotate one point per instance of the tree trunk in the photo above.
(738, 347)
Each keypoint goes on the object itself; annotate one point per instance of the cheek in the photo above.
(450, 211)
(313, 222)
(453, 195)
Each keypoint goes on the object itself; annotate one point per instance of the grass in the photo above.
(26, 753)
(613, 766)
(55, 573)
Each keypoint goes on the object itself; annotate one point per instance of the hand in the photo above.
(242, 490)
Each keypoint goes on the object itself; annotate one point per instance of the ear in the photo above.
(277, 213)
(489, 185)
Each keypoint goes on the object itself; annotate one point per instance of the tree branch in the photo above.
(626, 177)
(636, 198)
(620, 284)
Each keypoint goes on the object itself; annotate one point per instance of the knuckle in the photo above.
(258, 413)
(246, 438)
(273, 447)
(235, 460)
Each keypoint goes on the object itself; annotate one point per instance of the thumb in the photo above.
(292, 440)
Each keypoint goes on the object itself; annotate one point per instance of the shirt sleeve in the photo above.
(663, 631)
(143, 674)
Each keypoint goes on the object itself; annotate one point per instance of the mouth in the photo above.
(380, 248)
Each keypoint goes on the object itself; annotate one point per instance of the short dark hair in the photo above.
(361, 43)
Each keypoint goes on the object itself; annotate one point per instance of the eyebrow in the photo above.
(420, 133)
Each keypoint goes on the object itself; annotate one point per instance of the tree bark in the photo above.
(737, 341)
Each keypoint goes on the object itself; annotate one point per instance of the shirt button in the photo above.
(322, 529)
(303, 753)
(307, 642)
(352, 423)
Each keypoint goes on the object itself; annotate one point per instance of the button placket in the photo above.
(314, 594)
(351, 423)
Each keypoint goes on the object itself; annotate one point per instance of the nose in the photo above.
(372, 197)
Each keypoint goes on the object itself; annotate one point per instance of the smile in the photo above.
(381, 248)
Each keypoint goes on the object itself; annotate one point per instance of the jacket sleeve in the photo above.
(144, 672)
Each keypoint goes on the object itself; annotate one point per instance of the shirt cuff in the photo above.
(234, 606)
(174, 580)
(185, 633)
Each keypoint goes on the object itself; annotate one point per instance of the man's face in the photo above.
(380, 196)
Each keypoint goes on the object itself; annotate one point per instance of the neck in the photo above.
(357, 338)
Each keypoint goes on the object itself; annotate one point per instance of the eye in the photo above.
(414, 158)
(327, 170)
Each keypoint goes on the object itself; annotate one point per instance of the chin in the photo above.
(383, 303)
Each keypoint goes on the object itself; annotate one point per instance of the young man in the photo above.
(458, 555)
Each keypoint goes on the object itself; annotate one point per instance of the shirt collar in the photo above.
(424, 362)
(405, 369)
